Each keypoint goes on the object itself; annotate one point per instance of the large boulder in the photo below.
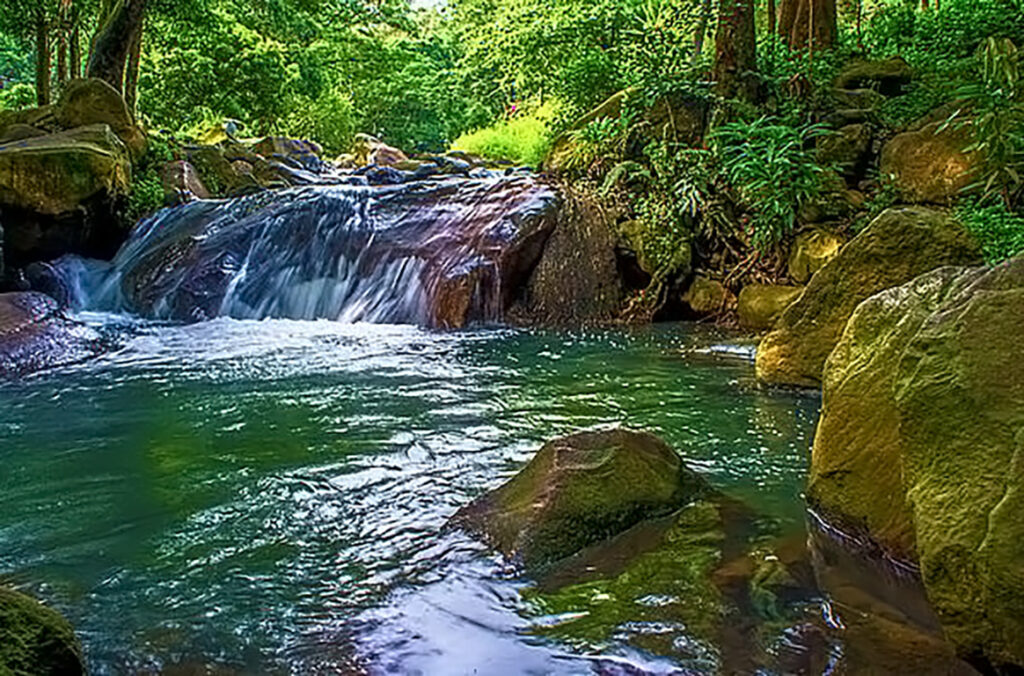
(36, 335)
(931, 165)
(35, 639)
(580, 490)
(85, 102)
(760, 305)
(849, 149)
(896, 247)
(932, 369)
(576, 279)
(55, 174)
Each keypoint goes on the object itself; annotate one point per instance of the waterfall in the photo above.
(438, 253)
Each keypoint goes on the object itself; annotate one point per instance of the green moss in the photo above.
(34, 639)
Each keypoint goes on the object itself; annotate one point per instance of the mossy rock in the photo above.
(931, 165)
(896, 247)
(857, 474)
(707, 296)
(35, 640)
(921, 445)
(85, 102)
(760, 305)
(55, 174)
(812, 249)
(849, 148)
(888, 76)
(579, 490)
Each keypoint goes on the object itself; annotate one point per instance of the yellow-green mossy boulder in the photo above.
(35, 639)
(896, 247)
(579, 490)
(708, 296)
(930, 165)
(811, 250)
(85, 102)
(56, 173)
(760, 305)
(921, 446)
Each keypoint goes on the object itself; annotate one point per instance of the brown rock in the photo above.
(930, 165)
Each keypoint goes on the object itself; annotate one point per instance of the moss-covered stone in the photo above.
(34, 640)
(579, 490)
(56, 173)
(849, 148)
(85, 102)
(930, 165)
(899, 245)
(811, 251)
(708, 296)
(760, 305)
(921, 444)
(857, 474)
(887, 76)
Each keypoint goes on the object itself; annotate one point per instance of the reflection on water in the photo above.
(266, 496)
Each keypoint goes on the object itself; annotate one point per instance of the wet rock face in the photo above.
(436, 253)
(35, 335)
(35, 639)
(580, 490)
(932, 369)
(899, 245)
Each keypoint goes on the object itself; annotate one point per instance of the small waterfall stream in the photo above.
(439, 253)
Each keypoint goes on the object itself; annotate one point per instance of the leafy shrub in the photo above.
(17, 96)
(996, 115)
(329, 120)
(999, 231)
(773, 169)
(523, 139)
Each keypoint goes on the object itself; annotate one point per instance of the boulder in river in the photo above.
(896, 247)
(579, 490)
(921, 446)
(36, 335)
(35, 639)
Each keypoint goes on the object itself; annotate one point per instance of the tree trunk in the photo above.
(773, 17)
(62, 55)
(808, 23)
(120, 27)
(735, 66)
(43, 90)
(702, 31)
(75, 50)
(131, 80)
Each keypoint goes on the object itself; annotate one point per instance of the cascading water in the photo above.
(436, 253)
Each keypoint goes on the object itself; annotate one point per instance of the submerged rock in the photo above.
(899, 245)
(35, 639)
(579, 490)
(920, 446)
(36, 335)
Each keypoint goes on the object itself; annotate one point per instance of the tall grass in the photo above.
(523, 139)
